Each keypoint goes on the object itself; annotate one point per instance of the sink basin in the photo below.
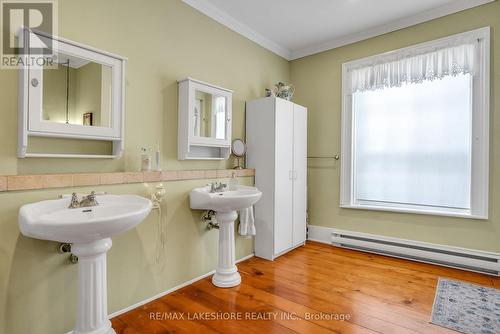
(243, 197)
(89, 231)
(52, 220)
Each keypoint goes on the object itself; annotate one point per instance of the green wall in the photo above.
(318, 86)
(164, 40)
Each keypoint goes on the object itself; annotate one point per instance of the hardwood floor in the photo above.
(314, 289)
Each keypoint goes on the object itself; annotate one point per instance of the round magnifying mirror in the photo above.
(238, 148)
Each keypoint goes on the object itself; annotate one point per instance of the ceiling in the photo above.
(297, 28)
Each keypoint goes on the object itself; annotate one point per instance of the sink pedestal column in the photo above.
(92, 308)
(226, 275)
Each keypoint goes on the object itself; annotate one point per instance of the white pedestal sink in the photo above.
(89, 230)
(225, 205)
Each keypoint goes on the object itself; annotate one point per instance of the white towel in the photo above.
(247, 222)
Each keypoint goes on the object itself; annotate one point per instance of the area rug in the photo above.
(467, 308)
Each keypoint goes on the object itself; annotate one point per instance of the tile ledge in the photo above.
(64, 180)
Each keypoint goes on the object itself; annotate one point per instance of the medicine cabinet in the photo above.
(72, 91)
(204, 121)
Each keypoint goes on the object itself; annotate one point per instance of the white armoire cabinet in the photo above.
(276, 133)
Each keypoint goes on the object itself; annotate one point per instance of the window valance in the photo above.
(415, 68)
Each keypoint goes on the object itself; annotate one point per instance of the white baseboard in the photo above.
(442, 255)
(164, 293)
(175, 288)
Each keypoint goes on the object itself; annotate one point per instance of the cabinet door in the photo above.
(283, 227)
(299, 174)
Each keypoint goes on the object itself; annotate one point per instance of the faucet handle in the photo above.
(91, 198)
(74, 202)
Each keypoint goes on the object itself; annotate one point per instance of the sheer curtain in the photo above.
(415, 67)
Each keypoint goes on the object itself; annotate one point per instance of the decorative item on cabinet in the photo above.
(276, 132)
(270, 93)
(282, 91)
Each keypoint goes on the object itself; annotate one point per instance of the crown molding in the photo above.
(408, 21)
(216, 14)
(205, 7)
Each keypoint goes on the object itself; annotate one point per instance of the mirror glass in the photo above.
(209, 117)
(238, 147)
(77, 91)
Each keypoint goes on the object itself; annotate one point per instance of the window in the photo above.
(415, 128)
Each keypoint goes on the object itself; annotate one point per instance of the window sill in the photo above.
(432, 212)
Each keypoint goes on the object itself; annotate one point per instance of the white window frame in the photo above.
(480, 131)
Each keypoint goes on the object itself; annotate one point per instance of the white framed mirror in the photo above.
(77, 92)
(204, 121)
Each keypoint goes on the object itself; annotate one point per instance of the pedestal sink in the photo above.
(89, 229)
(225, 205)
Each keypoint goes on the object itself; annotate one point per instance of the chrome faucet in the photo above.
(86, 201)
(217, 187)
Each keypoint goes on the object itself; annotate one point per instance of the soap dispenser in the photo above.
(233, 183)
(145, 160)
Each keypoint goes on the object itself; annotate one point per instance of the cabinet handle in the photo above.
(290, 174)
